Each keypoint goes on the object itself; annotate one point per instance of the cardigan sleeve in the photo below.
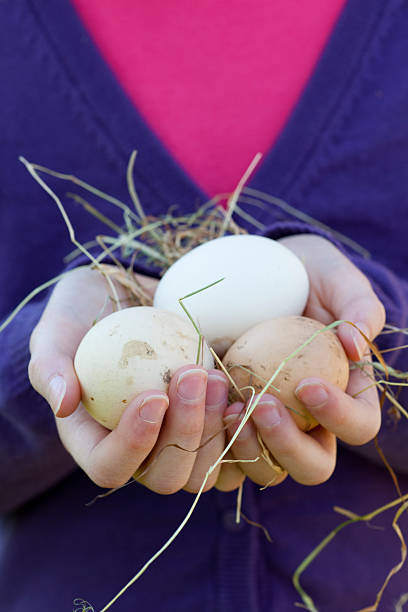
(32, 458)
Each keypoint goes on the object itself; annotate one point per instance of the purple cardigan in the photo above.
(342, 158)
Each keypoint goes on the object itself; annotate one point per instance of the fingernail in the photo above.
(267, 414)
(233, 421)
(57, 388)
(191, 384)
(359, 341)
(314, 395)
(217, 391)
(153, 408)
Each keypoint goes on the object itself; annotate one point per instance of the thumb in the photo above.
(51, 371)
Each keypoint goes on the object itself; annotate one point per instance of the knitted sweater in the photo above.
(342, 159)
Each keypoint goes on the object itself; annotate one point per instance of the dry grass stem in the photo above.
(400, 501)
(261, 200)
(132, 189)
(401, 602)
(239, 503)
(394, 570)
(80, 605)
(233, 200)
(258, 526)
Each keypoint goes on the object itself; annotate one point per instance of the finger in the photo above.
(247, 447)
(309, 458)
(148, 283)
(173, 457)
(354, 416)
(111, 458)
(230, 476)
(51, 370)
(360, 333)
(213, 436)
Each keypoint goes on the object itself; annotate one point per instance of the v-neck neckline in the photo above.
(156, 169)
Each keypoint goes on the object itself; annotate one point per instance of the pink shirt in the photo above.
(215, 80)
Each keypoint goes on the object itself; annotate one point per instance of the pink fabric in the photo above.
(215, 80)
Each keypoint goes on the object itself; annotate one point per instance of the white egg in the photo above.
(262, 280)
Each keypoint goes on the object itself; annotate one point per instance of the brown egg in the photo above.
(257, 354)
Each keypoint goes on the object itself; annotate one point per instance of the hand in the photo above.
(338, 291)
(153, 425)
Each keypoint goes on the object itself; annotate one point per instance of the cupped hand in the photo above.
(168, 440)
(338, 291)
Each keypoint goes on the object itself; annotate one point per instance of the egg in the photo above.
(258, 353)
(130, 351)
(262, 279)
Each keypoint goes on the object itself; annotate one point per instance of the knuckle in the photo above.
(137, 434)
(34, 372)
(104, 479)
(338, 414)
(35, 336)
(103, 473)
(229, 477)
(238, 446)
(340, 420)
(283, 447)
(382, 315)
(195, 483)
(368, 432)
(139, 442)
(192, 487)
(227, 486)
(167, 487)
(280, 478)
(374, 426)
(191, 428)
(274, 478)
(318, 475)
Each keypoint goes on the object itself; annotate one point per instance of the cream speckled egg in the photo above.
(130, 351)
(262, 279)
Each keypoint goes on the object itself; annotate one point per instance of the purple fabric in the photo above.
(342, 159)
